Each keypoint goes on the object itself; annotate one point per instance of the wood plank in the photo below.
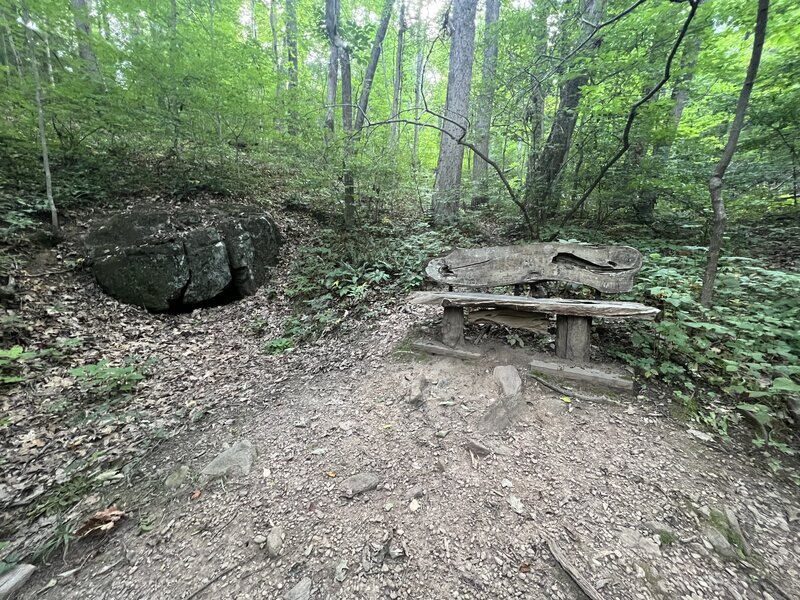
(581, 373)
(558, 306)
(453, 326)
(573, 338)
(531, 321)
(433, 347)
(609, 269)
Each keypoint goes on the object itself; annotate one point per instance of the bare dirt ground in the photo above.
(446, 520)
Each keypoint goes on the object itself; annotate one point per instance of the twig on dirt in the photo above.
(214, 579)
(224, 527)
(565, 392)
(46, 273)
(586, 587)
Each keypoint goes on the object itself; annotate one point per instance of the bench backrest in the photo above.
(608, 269)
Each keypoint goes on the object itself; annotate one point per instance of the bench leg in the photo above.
(453, 326)
(573, 338)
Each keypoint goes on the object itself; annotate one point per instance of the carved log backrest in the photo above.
(608, 269)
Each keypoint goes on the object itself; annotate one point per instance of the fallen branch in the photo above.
(214, 579)
(586, 587)
(565, 392)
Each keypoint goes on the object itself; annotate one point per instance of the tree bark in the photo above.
(253, 22)
(291, 42)
(645, 208)
(38, 95)
(398, 73)
(372, 66)
(331, 28)
(349, 146)
(83, 28)
(418, 88)
(715, 182)
(446, 197)
(541, 196)
(483, 122)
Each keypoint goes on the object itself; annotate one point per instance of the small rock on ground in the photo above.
(302, 591)
(418, 390)
(509, 380)
(275, 542)
(177, 478)
(238, 459)
(359, 483)
(719, 542)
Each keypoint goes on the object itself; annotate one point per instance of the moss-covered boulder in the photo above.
(163, 261)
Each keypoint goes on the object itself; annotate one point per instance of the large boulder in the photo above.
(164, 261)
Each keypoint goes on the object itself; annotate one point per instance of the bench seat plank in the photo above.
(558, 306)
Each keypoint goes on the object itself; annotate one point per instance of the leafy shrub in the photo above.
(743, 349)
(99, 380)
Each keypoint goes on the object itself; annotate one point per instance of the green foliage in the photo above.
(101, 381)
(11, 364)
(743, 354)
(278, 345)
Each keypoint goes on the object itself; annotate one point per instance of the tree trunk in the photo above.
(16, 57)
(715, 182)
(398, 73)
(645, 208)
(253, 22)
(455, 124)
(349, 146)
(84, 29)
(372, 66)
(541, 196)
(291, 42)
(483, 122)
(418, 88)
(48, 180)
(331, 28)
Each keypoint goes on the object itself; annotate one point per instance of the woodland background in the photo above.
(342, 111)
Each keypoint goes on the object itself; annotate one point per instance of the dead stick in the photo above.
(565, 392)
(586, 587)
(203, 587)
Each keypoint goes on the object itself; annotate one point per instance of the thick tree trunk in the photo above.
(48, 180)
(84, 29)
(715, 182)
(541, 197)
(483, 122)
(398, 73)
(372, 66)
(446, 197)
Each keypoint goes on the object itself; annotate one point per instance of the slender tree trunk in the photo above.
(39, 98)
(418, 88)
(398, 73)
(483, 122)
(645, 208)
(174, 103)
(446, 197)
(49, 57)
(540, 192)
(84, 29)
(349, 147)
(715, 182)
(331, 27)
(292, 63)
(372, 66)
(211, 18)
(253, 22)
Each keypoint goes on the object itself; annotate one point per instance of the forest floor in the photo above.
(630, 496)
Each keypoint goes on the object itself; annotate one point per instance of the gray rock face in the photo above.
(236, 460)
(165, 262)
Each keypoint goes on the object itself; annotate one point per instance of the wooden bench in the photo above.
(606, 269)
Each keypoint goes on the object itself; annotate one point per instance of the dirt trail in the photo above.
(443, 523)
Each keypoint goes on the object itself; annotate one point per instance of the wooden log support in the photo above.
(453, 326)
(573, 338)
